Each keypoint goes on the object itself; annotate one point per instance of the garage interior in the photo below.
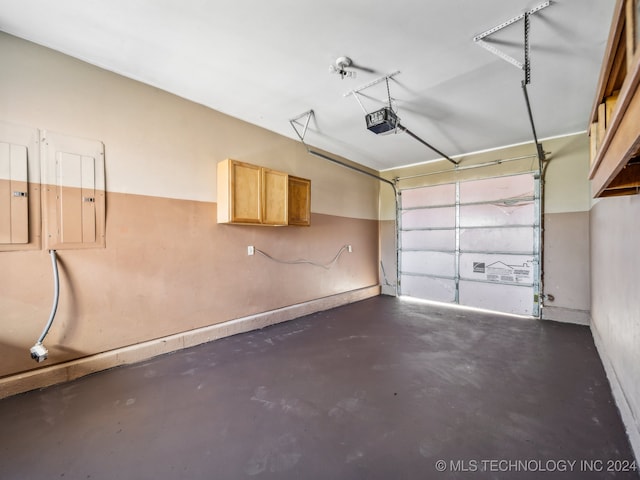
(319, 240)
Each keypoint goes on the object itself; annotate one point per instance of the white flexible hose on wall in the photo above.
(38, 352)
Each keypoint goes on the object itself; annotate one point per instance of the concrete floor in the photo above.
(380, 389)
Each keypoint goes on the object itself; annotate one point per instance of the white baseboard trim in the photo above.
(632, 426)
(566, 315)
(64, 372)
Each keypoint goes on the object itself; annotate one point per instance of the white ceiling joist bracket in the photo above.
(357, 91)
(525, 66)
(479, 39)
(372, 83)
(500, 53)
(306, 116)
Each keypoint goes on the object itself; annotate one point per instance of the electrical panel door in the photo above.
(20, 202)
(76, 198)
(74, 192)
(14, 194)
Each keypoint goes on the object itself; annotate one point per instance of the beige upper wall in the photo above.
(566, 179)
(156, 143)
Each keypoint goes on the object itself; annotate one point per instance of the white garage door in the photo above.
(474, 243)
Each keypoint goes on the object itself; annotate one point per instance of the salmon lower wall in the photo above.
(566, 267)
(168, 267)
(388, 257)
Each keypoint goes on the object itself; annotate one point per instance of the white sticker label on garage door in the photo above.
(500, 271)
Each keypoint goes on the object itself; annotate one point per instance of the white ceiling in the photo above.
(267, 61)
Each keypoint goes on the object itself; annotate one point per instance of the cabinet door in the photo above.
(299, 201)
(245, 193)
(274, 197)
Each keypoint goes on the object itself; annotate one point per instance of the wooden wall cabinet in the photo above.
(615, 128)
(299, 201)
(253, 195)
(239, 192)
(275, 197)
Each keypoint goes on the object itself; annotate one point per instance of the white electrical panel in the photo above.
(74, 184)
(19, 188)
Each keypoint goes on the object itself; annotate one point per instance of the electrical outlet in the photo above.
(39, 353)
(251, 250)
(349, 249)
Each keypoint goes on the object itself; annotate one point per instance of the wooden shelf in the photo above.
(615, 130)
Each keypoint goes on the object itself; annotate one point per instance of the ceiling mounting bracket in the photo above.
(308, 114)
(372, 83)
(357, 91)
(525, 66)
(295, 121)
(479, 39)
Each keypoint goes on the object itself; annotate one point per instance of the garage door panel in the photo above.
(437, 195)
(497, 268)
(431, 263)
(499, 188)
(428, 239)
(429, 288)
(493, 215)
(429, 218)
(516, 239)
(502, 298)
